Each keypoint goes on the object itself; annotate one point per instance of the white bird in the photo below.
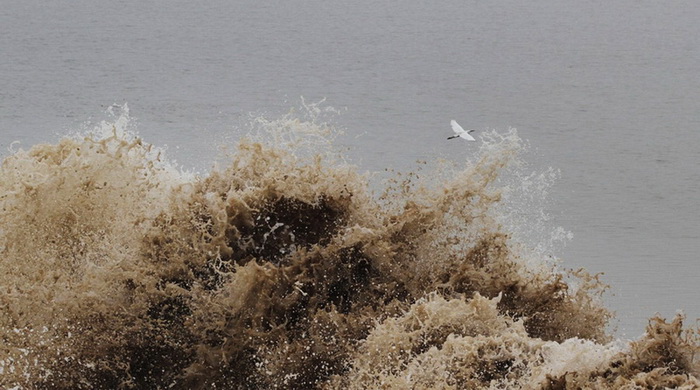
(460, 132)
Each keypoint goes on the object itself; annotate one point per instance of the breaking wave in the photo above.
(283, 269)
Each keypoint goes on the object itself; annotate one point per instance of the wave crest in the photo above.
(284, 270)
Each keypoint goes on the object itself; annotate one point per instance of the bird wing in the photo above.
(467, 136)
(457, 128)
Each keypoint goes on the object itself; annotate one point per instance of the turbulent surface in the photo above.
(283, 270)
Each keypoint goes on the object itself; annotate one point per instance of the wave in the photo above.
(283, 269)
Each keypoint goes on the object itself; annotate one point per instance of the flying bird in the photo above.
(460, 132)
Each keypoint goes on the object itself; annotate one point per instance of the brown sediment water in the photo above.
(284, 270)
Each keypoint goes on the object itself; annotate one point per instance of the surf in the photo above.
(285, 268)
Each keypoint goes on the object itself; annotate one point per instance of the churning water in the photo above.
(282, 269)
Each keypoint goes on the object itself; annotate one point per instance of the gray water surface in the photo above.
(607, 92)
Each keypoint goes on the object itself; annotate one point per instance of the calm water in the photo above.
(609, 94)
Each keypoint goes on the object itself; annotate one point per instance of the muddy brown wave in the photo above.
(284, 270)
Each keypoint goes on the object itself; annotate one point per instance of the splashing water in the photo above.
(283, 270)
